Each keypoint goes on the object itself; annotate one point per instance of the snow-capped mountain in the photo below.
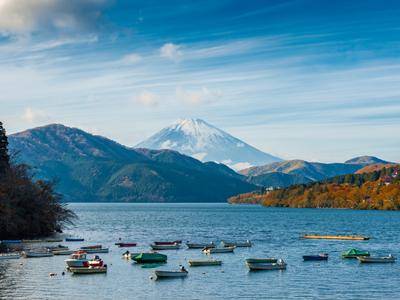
(197, 138)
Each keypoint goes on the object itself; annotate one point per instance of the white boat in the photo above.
(77, 260)
(33, 254)
(237, 244)
(200, 245)
(165, 247)
(170, 274)
(280, 265)
(9, 256)
(205, 262)
(218, 250)
(382, 259)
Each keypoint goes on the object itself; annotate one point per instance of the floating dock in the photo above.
(336, 237)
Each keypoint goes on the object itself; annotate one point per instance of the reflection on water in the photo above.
(275, 233)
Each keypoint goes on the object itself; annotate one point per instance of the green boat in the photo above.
(261, 260)
(150, 258)
(354, 253)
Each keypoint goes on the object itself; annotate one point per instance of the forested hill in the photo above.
(376, 190)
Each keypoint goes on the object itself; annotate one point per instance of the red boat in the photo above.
(121, 245)
(167, 243)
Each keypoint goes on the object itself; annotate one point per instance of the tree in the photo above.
(4, 157)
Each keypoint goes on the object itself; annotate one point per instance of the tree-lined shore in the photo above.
(376, 190)
(28, 208)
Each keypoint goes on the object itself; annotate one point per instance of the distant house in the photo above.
(387, 179)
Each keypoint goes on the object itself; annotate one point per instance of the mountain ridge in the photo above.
(95, 168)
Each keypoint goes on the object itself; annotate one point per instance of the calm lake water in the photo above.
(274, 231)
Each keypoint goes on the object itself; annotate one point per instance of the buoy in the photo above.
(63, 273)
(151, 277)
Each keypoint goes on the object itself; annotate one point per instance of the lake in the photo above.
(275, 232)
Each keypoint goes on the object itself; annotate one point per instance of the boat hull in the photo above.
(266, 266)
(376, 260)
(165, 247)
(219, 250)
(95, 251)
(336, 237)
(170, 274)
(74, 240)
(10, 256)
(149, 258)
(314, 257)
(200, 263)
(262, 260)
(199, 246)
(77, 263)
(63, 252)
(37, 254)
(91, 270)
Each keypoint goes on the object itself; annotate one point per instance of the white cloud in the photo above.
(34, 115)
(148, 98)
(171, 51)
(195, 97)
(27, 16)
(132, 58)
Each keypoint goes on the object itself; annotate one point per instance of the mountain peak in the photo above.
(366, 160)
(203, 141)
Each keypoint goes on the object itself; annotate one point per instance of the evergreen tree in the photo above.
(4, 157)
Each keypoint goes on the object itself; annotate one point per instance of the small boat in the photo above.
(96, 250)
(261, 260)
(33, 254)
(382, 259)
(149, 257)
(171, 274)
(321, 256)
(9, 256)
(62, 252)
(279, 265)
(74, 239)
(122, 245)
(218, 250)
(354, 253)
(32, 241)
(166, 247)
(205, 262)
(237, 244)
(77, 260)
(11, 241)
(200, 245)
(336, 237)
(167, 243)
(57, 248)
(84, 248)
(88, 270)
(53, 241)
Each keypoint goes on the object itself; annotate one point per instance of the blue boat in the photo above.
(11, 241)
(74, 240)
(322, 256)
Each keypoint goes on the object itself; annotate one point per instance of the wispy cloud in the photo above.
(34, 116)
(148, 98)
(171, 51)
(132, 58)
(197, 96)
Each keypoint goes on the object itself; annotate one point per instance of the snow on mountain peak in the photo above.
(203, 141)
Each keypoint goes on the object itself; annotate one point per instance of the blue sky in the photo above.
(315, 80)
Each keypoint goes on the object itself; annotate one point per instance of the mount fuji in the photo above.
(205, 142)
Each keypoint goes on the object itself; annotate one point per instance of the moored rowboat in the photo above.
(237, 244)
(218, 250)
(149, 257)
(63, 252)
(280, 265)
(170, 274)
(206, 262)
(9, 256)
(165, 247)
(383, 259)
(122, 245)
(89, 270)
(32, 254)
(167, 242)
(96, 250)
(336, 237)
(200, 245)
(262, 260)
(74, 239)
(91, 247)
(322, 256)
